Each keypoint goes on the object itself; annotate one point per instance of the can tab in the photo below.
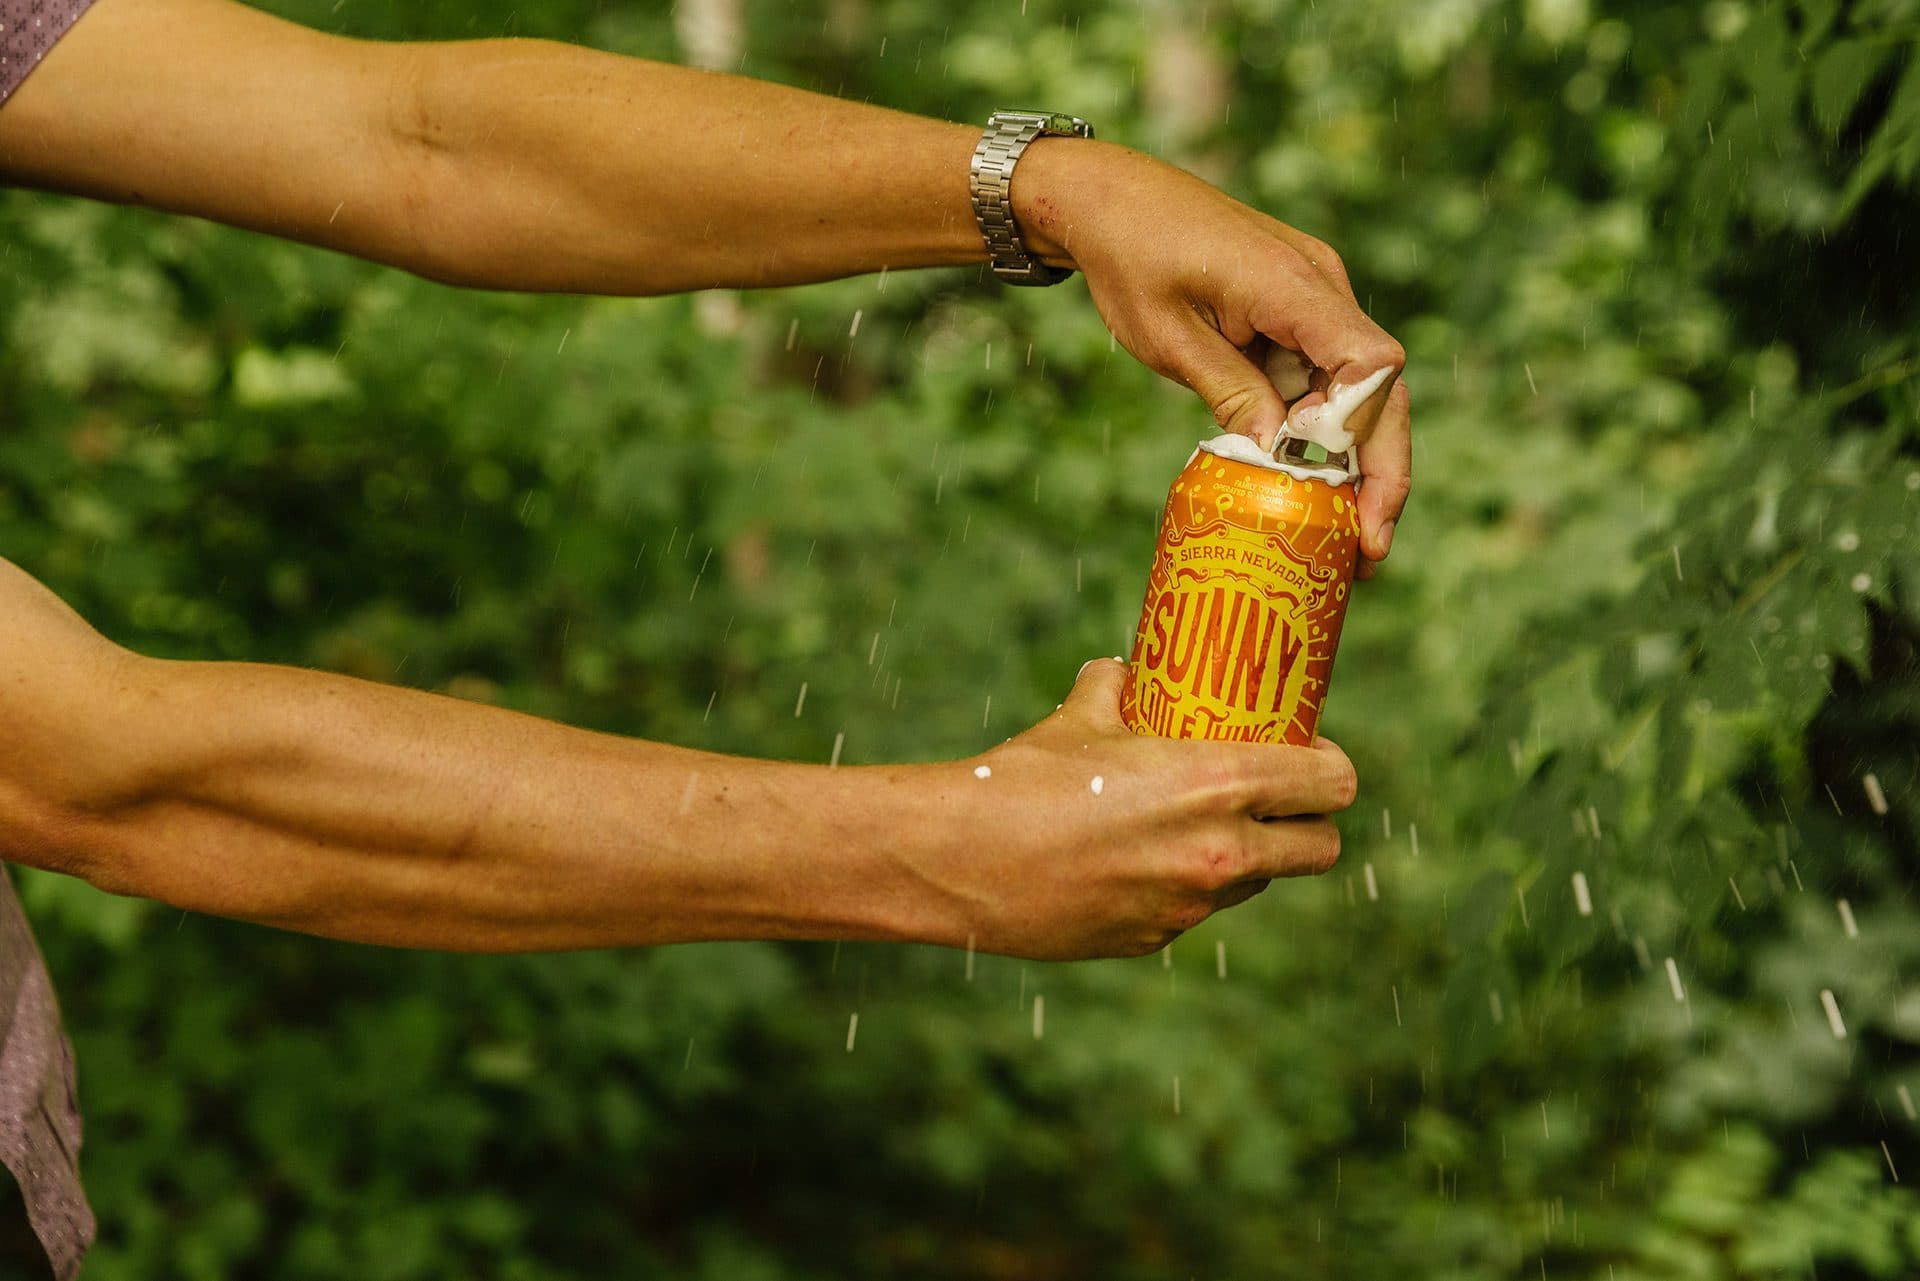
(1296, 457)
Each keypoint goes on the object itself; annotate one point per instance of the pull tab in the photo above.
(1293, 452)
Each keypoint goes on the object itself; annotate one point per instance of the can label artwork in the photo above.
(1244, 603)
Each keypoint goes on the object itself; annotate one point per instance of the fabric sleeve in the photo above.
(28, 28)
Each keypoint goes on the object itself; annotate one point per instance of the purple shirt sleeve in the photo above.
(39, 1113)
(28, 28)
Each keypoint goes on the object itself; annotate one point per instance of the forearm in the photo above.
(358, 811)
(545, 166)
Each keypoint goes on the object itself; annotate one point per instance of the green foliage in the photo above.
(1650, 620)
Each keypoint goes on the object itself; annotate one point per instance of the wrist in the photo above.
(1052, 186)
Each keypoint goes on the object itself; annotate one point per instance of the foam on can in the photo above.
(1245, 598)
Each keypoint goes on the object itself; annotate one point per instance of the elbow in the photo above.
(75, 776)
(41, 829)
(452, 181)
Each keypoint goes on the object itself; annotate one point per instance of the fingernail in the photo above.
(1386, 537)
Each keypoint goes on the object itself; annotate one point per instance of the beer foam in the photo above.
(1325, 424)
(1245, 449)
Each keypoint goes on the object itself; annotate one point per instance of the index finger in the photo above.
(1314, 318)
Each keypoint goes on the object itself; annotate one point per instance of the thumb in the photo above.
(1096, 692)
(1242, 397)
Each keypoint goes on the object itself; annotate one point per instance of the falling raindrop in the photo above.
(1373, 886)
(1413, 839)
(1846, 919)
(1497, 1007)
(970, 950)
(1738, 897)
(1396, 1004)
(839, 741)
(799, 704)
(1039, 1016)
(1673, 981)
(1176, 1096)
(1832, 1008)
(1220, 957)
(1906, 1102)
(1582, 898)
(1876, 799)
(1861, 582)
(853, 1030)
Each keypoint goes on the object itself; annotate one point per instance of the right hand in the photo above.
(1052, 870)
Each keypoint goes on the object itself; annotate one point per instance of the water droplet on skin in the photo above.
(1098, 785)
(983, 771)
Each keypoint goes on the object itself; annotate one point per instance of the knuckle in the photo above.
(1326, 848)
(1234, 406)
(1343, 783)
(1396, 487)
(1214, 862)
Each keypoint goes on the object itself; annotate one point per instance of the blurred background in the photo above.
(1619, 976)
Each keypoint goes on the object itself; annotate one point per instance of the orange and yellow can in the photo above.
(1245, 599)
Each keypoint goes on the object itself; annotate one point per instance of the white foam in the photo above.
(1289, 372)
(1325, 424)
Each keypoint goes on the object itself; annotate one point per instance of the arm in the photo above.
(359, 811)
(520, 164)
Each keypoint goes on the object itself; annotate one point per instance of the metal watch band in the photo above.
(1007, 136)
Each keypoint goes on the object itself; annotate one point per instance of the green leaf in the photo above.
(1840, 75)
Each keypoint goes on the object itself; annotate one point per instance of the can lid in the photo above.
(1292, 458)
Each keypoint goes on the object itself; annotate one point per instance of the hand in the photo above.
(1207, 291)
(1055, 866)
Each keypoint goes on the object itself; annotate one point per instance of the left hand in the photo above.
(1202, 288)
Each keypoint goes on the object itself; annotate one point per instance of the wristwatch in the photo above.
(1007, 135)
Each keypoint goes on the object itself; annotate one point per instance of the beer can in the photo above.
(1245, 598)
